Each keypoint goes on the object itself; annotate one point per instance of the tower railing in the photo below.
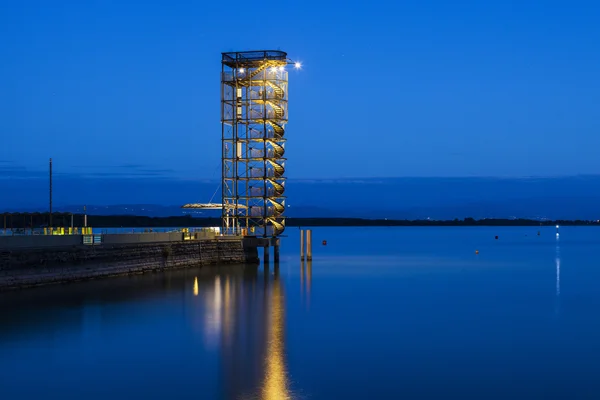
(254, 114)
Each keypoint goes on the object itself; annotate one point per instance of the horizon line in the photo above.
(303, 179)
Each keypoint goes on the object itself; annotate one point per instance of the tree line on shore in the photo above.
(40, 220)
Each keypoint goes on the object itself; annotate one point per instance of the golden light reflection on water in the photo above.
(276, 385)
(248, 326)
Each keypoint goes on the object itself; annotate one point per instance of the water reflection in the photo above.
(557, 265)
(213, 312)
(309, 278)
(305, 283)
(237, 314)
(244, 320)
(275, 384)
(557, 260)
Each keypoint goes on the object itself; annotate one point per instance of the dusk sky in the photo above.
(388, 88)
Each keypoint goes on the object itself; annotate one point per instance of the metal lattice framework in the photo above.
(254, 105)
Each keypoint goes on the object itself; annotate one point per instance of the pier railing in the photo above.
(111, 231)
(113, 237)
(59, 231)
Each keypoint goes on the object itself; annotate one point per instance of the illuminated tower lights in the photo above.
(254, 113)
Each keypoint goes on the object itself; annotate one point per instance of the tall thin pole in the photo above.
(50, 224)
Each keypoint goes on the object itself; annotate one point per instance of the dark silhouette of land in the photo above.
(38, 220)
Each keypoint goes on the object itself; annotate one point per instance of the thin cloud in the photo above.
(9, 170)
(107, 166)
(123, 174)
(118, 169)
(157, 171)
(131, 166)
(15, 171)
(145, 169)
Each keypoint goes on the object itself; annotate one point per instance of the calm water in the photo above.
(408, 313)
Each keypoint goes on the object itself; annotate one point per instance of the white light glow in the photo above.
(274, 69)
(242, 70)
(557, 276)
(557, 226)
(281, 68)
(297, 65)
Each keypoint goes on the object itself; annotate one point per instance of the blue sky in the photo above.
(388, 88)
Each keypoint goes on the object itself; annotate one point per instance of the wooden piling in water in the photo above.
(302, 244)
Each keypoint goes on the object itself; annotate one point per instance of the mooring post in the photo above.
(266, 254)
(302, 244)
(309, 245)
(276, 253)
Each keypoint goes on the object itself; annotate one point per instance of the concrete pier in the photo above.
(265, 243)
(37, 260)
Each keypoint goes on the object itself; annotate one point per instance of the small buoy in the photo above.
(476, 251)
(324, 242)
(496, 237)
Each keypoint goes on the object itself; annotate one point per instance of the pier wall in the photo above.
(36, 241)
(64, 259)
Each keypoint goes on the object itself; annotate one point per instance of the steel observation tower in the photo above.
(254, 113)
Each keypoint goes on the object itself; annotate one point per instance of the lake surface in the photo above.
(407, 312)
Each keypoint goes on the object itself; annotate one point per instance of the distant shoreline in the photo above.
(37, 220)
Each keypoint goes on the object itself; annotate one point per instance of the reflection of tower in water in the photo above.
(276, 381)
(251, 347)
(242, 347)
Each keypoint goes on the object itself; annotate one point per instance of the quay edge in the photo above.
(27, 261)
